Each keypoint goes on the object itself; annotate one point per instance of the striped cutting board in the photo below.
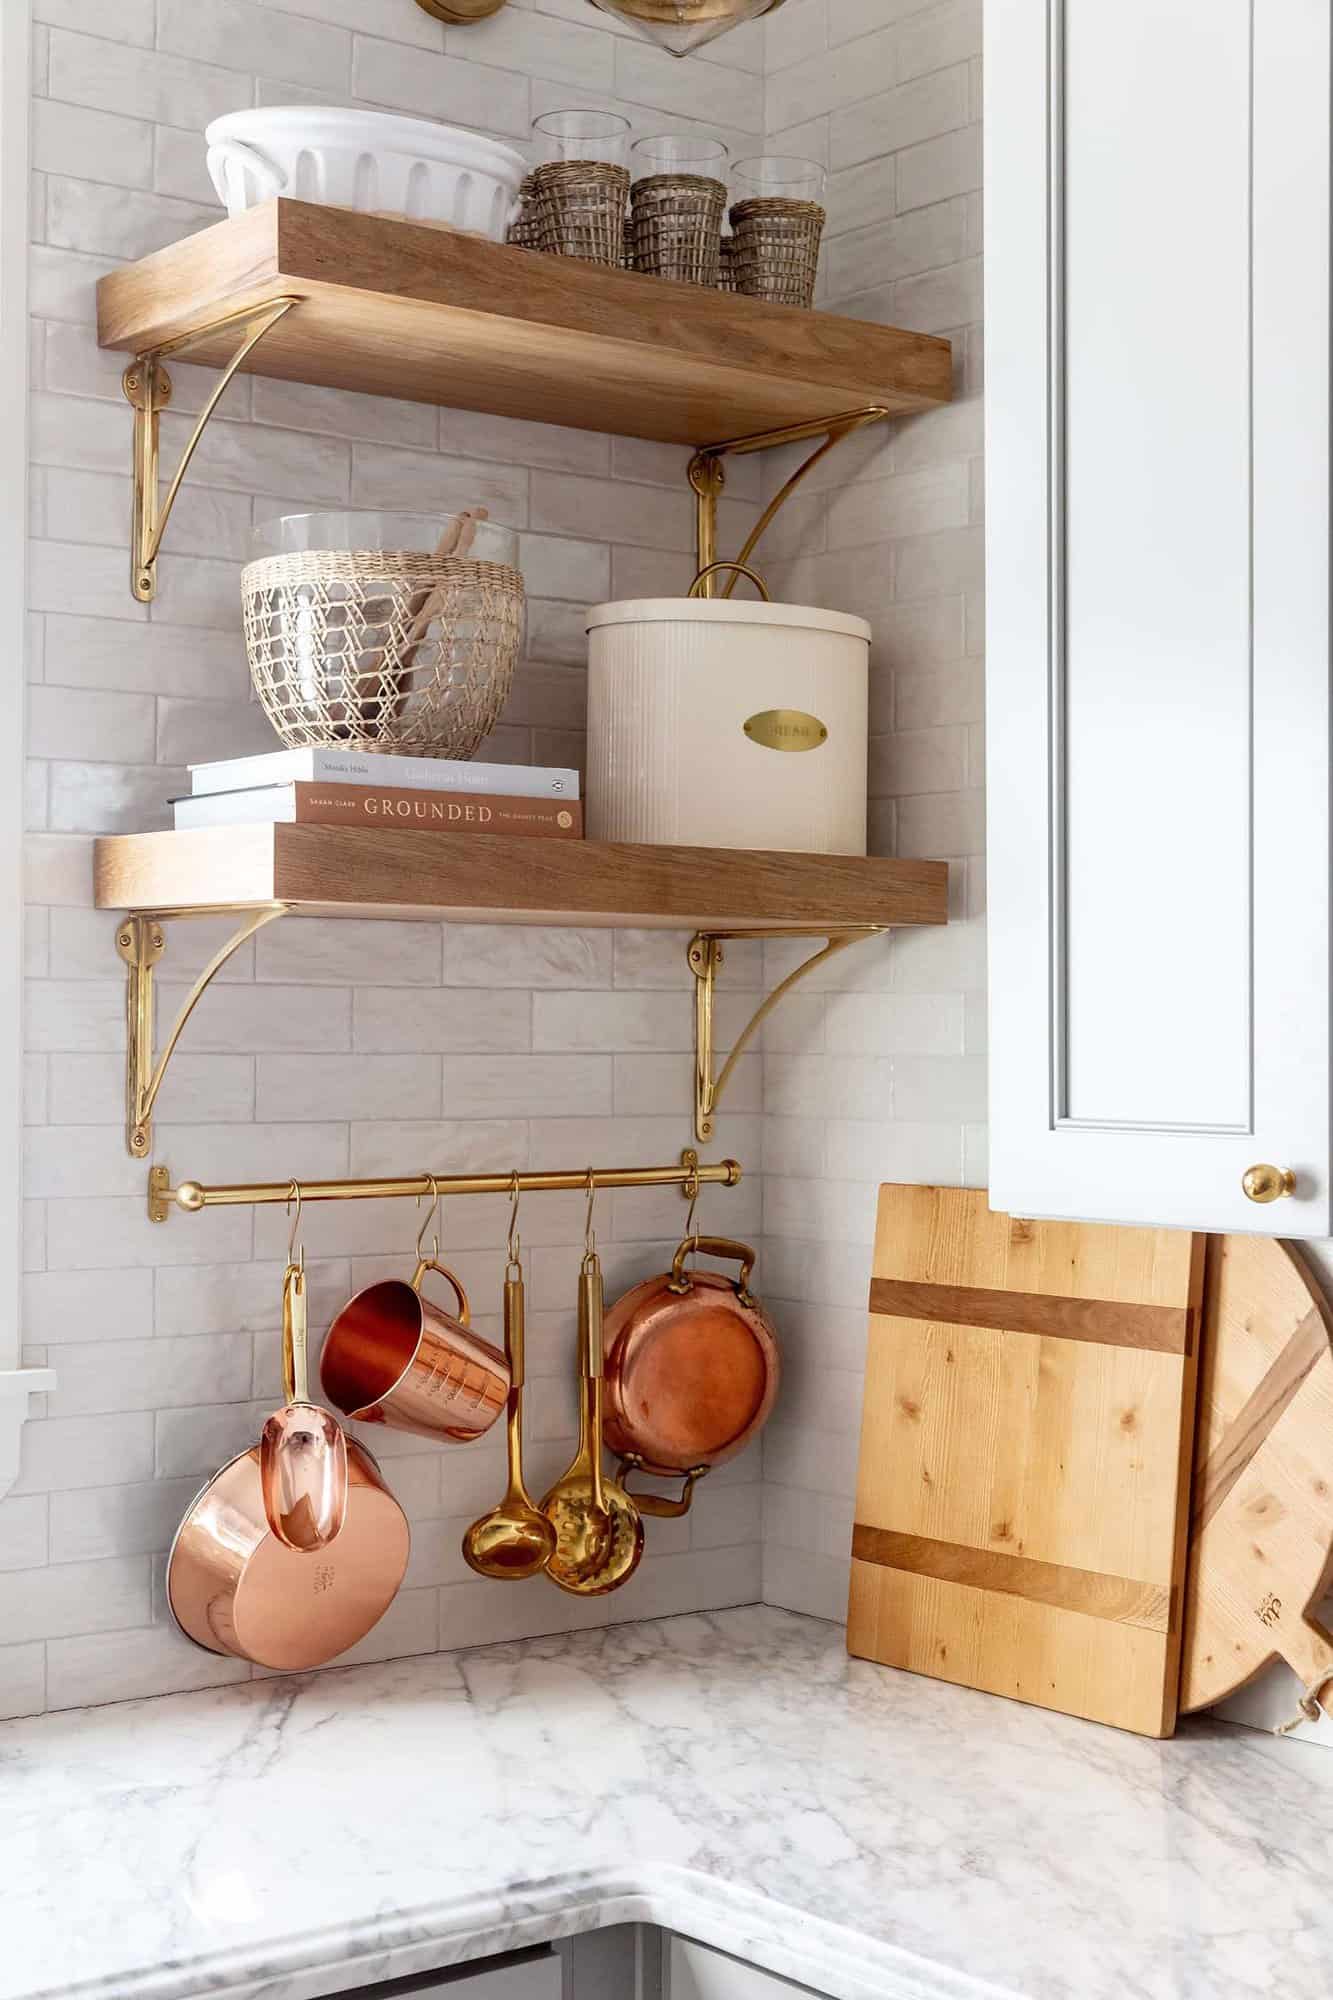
(1025, 1455)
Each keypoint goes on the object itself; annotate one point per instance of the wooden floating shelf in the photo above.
(494, 878)
(396, 308)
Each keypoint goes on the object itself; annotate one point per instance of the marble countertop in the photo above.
(733, 1776)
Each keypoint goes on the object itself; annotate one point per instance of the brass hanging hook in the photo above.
(691, 1230)
(589, 1233)
(515, 1245)
(431, 1214)
(295, 1196)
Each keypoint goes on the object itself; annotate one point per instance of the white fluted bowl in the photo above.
(374, 161)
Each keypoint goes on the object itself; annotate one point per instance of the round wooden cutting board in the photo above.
(1261, 1530)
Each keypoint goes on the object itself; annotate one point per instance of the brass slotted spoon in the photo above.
(599, 1530)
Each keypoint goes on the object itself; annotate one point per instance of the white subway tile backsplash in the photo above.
(115, 728)
(945, 33)
(402, 79)
(342, 953)
(59, 1454)
(479, 1019)
(241, 35)
(125, 1666)
(23, 1533)
(532, 43)
(114, 1233)
(64, 1307)
(142, 83)
(134, 20)
(99, 145)
(105, 1521)
(362, 1047)
(67, 1598)
(150, 1374)
(649, 76)
(899, 117)
(87, 215)
(22, 1679)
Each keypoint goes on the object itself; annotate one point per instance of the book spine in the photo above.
(437, 812)
(333, 767)
(426, 774)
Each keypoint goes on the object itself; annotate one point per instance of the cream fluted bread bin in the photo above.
(717, 724)
(377, 161)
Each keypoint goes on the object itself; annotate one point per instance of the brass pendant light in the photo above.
(675, 25)
(460, 13)
(681, 25)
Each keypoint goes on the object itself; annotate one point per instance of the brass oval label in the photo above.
(786, 729)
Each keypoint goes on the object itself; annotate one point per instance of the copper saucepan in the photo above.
(234, 1587)
(692, 1367)
(394, 1357)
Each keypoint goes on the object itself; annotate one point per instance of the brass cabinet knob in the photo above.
(1265, 1183)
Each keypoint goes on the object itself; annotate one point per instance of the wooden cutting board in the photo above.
(1261, 1528)
(1025, 1455)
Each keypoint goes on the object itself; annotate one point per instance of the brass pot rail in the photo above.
(192, 1196)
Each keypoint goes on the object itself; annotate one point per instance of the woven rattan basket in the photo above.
(581, 210)
(677, 227)
(387, 649)
(775, 249)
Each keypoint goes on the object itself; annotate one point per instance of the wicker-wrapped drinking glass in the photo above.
(676, 225)
(775, 249)
(581, 210)
(525, 231)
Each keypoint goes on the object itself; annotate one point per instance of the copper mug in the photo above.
(394, 1357)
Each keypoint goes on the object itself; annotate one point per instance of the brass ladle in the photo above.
(515, 1540)
(599, 1531)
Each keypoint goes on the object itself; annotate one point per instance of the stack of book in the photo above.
(359, 788)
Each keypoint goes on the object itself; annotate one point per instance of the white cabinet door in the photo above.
(1157, 394)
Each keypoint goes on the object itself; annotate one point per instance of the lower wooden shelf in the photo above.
(491, 878)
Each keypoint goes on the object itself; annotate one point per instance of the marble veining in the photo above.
(731, 1775)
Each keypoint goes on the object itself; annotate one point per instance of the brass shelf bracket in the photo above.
(147, 387)
(708, 477)
(141, 942)
(706, 960)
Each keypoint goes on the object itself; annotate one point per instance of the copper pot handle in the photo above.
(714, 1246)
(653, 1503)
(425, 1264)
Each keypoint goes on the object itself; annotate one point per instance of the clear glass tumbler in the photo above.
(581, 188)
(581, 135)
(778, 177)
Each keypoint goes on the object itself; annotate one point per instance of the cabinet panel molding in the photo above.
(1157, 274)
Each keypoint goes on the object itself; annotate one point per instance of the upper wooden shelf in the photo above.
(395, 308)
(494, 878)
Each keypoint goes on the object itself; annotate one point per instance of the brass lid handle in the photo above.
(1265, 1183)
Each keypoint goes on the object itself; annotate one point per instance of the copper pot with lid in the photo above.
(692, 1367)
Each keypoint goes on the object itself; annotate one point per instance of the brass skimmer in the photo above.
(599, 1531)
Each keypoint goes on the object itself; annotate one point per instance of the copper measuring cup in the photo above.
(302, 1451)
(394, 1357)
